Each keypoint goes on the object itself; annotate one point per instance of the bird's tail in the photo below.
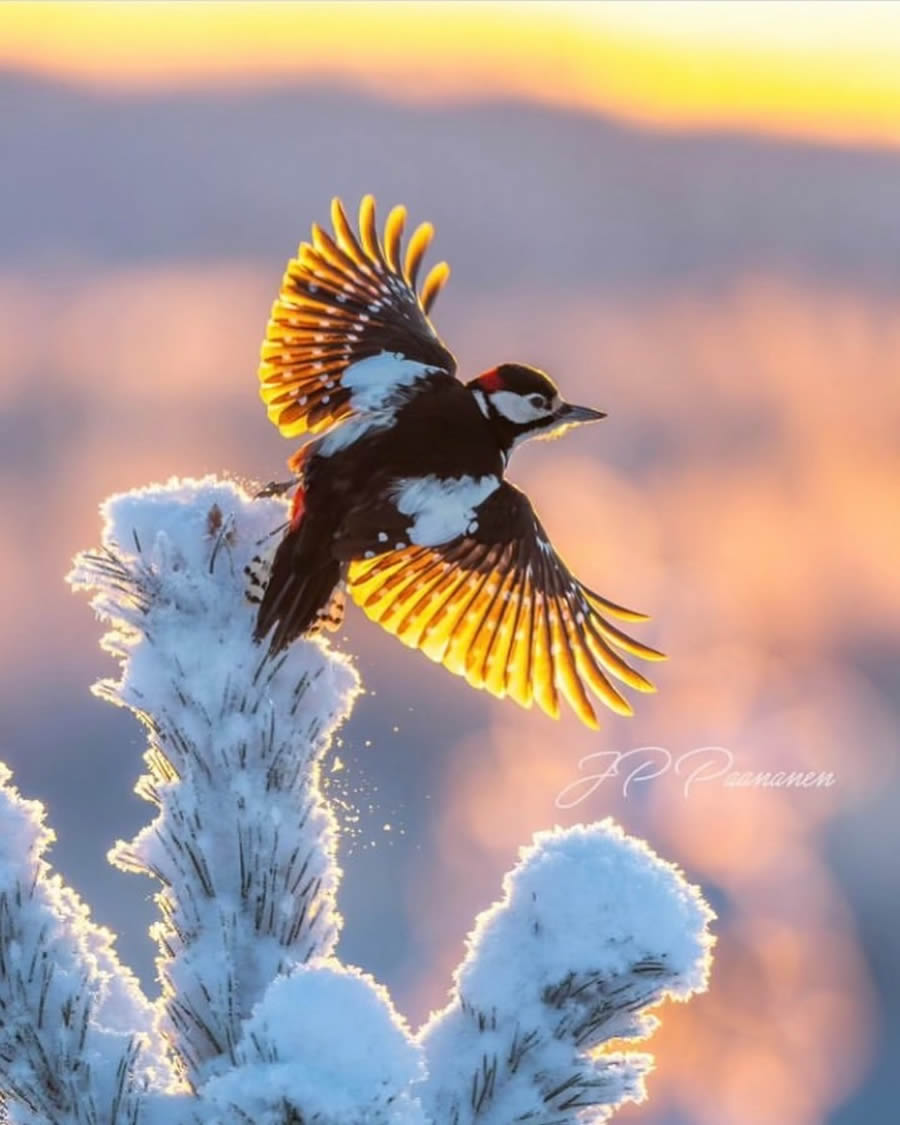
(300, 594)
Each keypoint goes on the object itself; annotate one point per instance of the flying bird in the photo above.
(400, 496)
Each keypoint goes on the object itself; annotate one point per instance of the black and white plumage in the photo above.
(400, 495)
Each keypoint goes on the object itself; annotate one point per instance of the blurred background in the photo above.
(688, 214)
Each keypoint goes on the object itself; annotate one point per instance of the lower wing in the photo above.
(500, 607)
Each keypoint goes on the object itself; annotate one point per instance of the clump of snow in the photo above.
(593, 929)
(326, 1043)
(590, 897)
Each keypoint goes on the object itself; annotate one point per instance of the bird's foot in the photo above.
(275, 488)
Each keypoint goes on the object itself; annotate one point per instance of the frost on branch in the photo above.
(593, 929)
(257, 1023)
(243, 844)
(76, 1036)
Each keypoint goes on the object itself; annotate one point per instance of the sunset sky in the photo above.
(687, 213)
(830, 71)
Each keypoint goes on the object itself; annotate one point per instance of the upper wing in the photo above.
(349, 328)
(500, 607)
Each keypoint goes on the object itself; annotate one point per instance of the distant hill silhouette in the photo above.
(235, 173)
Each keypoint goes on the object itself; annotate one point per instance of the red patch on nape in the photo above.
(491, 380)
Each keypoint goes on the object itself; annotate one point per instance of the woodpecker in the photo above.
(399, 490)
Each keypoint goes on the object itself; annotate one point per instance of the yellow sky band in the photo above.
(830, 72)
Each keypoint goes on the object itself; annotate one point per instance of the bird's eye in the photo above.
(538, 402)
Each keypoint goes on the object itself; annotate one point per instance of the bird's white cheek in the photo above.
(516, 408)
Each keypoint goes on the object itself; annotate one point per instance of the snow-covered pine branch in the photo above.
(593, 930)
(243, 843)
(258, 1020)
(77, 1043)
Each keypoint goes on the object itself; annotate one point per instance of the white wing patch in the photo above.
(351, 430)
(442, 509)
(373, 381)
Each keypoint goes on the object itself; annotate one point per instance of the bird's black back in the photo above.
(439, 431)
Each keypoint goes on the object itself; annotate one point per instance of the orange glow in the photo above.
(831, 75)
(755, 560)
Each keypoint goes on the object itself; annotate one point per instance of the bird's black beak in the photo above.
(570, 414)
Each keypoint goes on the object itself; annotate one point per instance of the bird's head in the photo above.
(522, 402)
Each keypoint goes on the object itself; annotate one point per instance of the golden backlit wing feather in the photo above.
(501, 608)
(345, 298)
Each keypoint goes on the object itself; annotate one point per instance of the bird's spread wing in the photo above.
(500, 607)
(350, 330)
